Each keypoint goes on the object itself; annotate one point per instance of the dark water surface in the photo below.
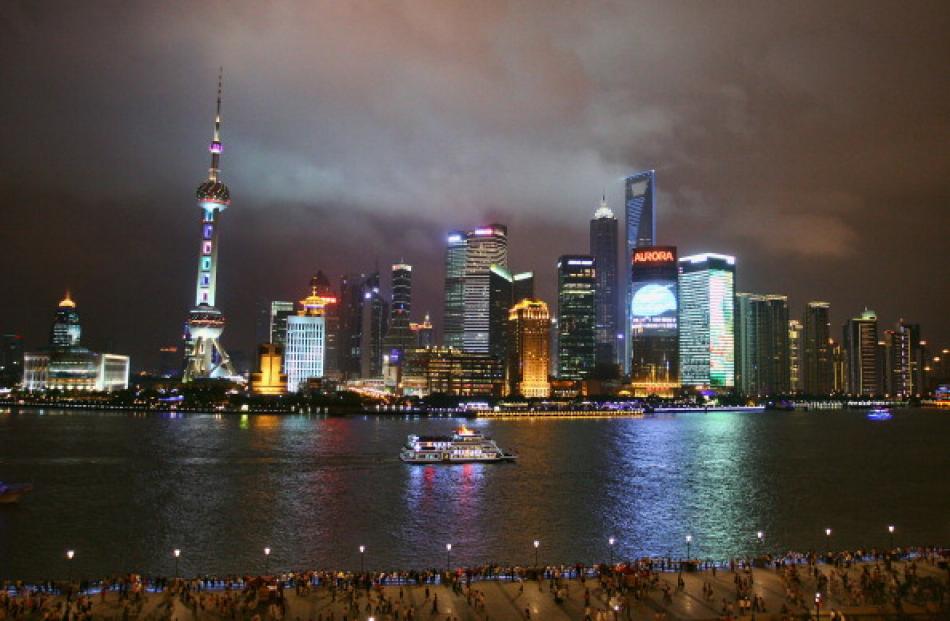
(123, 490)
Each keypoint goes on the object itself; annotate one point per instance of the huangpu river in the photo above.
(124, 490)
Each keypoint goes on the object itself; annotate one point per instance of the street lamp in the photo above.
(828, 538)
(760, 537)
(177, 553)
(448, 556)
(689, 541)
(611, 542)
(69, 556)
(890, 529)
(362, 550)
(266, 560)
(536, 544)
(817, 606)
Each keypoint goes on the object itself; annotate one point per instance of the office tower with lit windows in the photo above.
(349, 314)
(66, 330)
(453, 319)
(279, 312)
(796, 333)
(576, 283)
(917, 358)
(762, 344)
(204, 355)
(399, 336)
(500, 300)
(522, 286)
(901, 361)
(654, 322)
(423, 333)
(375, 312)
(306, 347)
(528, 364)
(818, 374)
(861, 349)
(603, 247)
(485, 247)
(839, 367)
(706, 320)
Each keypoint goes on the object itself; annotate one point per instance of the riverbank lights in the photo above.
(760, 535)
(266, 551)
(890, 529)
(177, 552)
(611, 541)
(70, 554)
(362, 549)
(828, 532)
(536, 544)
(448, 547)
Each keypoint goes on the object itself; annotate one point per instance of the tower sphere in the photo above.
(213, 192)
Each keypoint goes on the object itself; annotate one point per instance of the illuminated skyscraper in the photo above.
(305, 351)
(373, 328)
(522, 286)
(640, 208)
(527, 368)
(279, 312)
(349, 314)
(603, 247)
(485, 247)
(453, 319)
(66, 330)
(795, 344)
(654, 329)
(422, 332)
(818, 374)
(861, 348)
(576, 282)
(399, 335)
(500, 301)
(706, 315)
(204, 356)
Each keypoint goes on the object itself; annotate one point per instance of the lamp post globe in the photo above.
(536, 544)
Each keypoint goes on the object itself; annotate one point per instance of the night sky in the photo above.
(810, 139)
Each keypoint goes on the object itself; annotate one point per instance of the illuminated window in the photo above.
(205, 280)
(206, 248)
(206, 264)
(208, 230)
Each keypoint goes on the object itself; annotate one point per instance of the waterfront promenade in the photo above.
(872, 589)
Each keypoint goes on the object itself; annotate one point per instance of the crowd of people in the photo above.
(602, 592)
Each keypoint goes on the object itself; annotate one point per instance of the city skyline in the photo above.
(127, 218)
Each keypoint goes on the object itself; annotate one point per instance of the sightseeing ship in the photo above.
(464, 446)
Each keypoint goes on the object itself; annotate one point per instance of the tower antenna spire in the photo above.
(216, 147)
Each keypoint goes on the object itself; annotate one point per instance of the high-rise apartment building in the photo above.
(453, 319)
(654, 326)
(818, 374)
(603, 247)
(485, 247)
(528, 365)
(576, 319)
(902, 361)
(306, 347)
(796, 333)
(762, 364)
(861, 346)
(706, 320)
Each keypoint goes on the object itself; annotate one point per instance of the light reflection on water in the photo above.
(124, 490)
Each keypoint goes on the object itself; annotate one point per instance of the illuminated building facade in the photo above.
(640, 212)
(280, 310)
(485, 247)
(423, 333)
(576, 283)
(528, 365)
(603, 247)
(204, 355)
(452, 371)
(762, 350)
(453, 319)
(706, 316)
(305, 351)
(818, 373)
(373, 328)
(654, 321)
(903, 358)
(795, 343)
(500, 300)
(270, 378)
(66, 330)
(349, 313)
(113, 372)
(522, 286)
(861, 349)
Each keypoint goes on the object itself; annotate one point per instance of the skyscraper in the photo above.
(349, 314)
(11, 360)
(279, 312)
(818, 375)
(400, 337)
(375, 311)
(654, 329)
(500, 301)
(603, 247)
(66, 330)
(522, 286)
(795, 345)
(707, 337)
(422, 332)
(576, 282)
(527, 368)
(861, 347)
(640, 211)
(453, 319)
(900, 363)
(305, 351)
(204, 356)
(485, 246)
(761, 335)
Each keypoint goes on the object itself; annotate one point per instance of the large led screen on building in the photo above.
(654, 300)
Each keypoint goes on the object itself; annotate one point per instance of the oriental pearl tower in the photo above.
(204, 356)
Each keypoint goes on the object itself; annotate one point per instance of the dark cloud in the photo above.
(808, 138)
